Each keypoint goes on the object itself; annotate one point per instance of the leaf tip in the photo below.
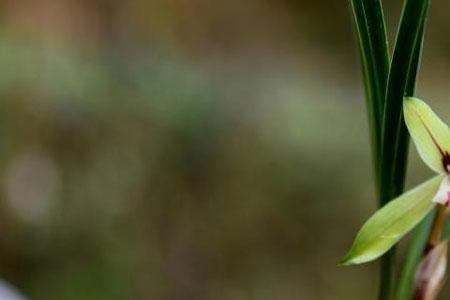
(347, 260)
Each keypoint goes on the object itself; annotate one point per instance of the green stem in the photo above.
(417, 245)
(401, 82)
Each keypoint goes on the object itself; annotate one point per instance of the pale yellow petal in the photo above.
(430, 135)
(390, 223)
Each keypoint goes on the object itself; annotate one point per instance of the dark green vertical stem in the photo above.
(401, 82)
(417, 246)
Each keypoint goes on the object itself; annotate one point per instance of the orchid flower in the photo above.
(388, 225)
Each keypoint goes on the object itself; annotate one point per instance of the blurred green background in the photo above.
(190, 149)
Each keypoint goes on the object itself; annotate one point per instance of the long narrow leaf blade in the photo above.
(372, 42)
(395, 135)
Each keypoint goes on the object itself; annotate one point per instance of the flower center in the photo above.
(446, 161)
(443, 194)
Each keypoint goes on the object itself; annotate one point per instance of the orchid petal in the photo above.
(389, 224)
(443, 194)
(430, 135)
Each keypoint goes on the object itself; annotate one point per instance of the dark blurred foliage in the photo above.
(188, 149)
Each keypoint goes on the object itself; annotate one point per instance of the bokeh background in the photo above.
(190, 149)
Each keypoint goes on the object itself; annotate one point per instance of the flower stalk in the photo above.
(390, 141)
(435, 235)
(431, 271)
(430, 274)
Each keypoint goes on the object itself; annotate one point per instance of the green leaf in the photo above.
(402, 73)
(430, 135)
(389, 224)
(372, 42)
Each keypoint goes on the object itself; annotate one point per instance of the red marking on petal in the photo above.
(446, 161)
(444, 154)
